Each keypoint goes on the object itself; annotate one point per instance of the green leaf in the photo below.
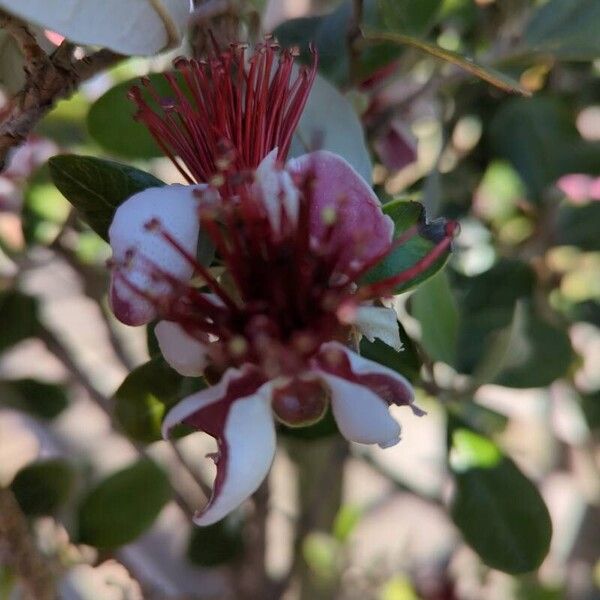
(19, 318)
(590, 404)
(145, 396)
(329, 122)
(579, 226)
(322, 553)
(123, 506)
(346, 521)
(434, 306)
(487, 306)
(499, 287)
(405, 362)
(409, 16)
(41, 488)
(324, 32)
(538, 354)
(497, 509)
(111, 120)
(405, 215)
(96, 187)
(567, 30)
(44, 209)
(218, 543)
(532, 135)
(489, 74)
(41, 399)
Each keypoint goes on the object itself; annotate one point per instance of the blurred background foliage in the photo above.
(485, 111)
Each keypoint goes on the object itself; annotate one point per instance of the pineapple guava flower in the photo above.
(294, 240)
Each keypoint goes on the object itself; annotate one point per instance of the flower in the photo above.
(274, 329)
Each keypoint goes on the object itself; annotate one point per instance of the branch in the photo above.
(32, 569)
(352, 35)
(55, 346)
(48, 79)
(209, 10)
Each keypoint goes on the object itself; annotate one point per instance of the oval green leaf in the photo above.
(96, 187)
(41, 488)
(405, 215)
(123, 506)
(497, 509)
(218, 543)
(143, 398)
(111, 120)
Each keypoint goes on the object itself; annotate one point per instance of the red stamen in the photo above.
(198, 267)
(219, 101)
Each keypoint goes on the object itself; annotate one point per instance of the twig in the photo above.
(25, 40)
(32, 569)
(182, 460)
(63, 355)
(94, 287)
(48, 79)
(395, 480)
(209, 10)
(248, 574)
(352, 35)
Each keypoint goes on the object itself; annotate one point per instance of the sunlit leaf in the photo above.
(146, 394)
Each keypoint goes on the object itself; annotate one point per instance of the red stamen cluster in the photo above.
(222, 108)
(283, 293)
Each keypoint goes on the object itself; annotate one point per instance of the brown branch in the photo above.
(56, 347)
(352, 35)
(48, 79)
(16, 543)
(209, 10)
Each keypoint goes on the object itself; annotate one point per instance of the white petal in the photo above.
(183, 352)
(175, 207)
(129, 27)
(248, 447)
(386, 383)
(379, 322)
(361, 415)
(278, 190)
(192, 404)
